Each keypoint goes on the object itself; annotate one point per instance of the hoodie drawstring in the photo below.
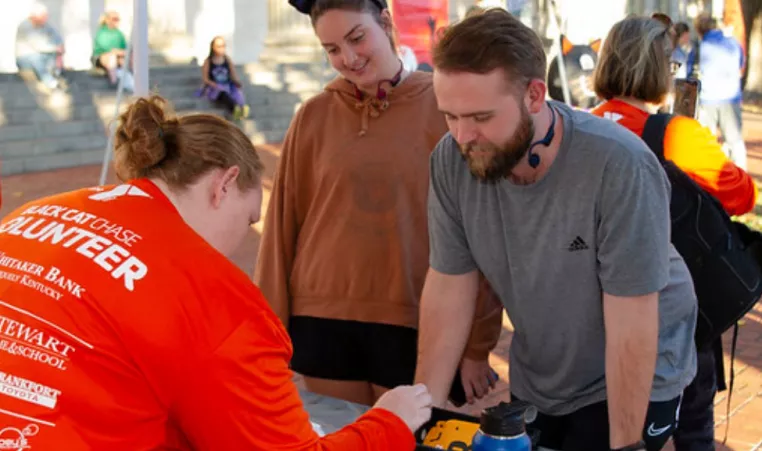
(372, 107)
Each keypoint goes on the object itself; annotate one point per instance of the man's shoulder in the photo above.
(446, 153)
(596, 133)
(25, 27)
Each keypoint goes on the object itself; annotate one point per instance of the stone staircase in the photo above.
(41, 131)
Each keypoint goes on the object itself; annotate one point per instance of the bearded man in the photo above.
(567, 215)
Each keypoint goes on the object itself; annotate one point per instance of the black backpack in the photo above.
(723, 256)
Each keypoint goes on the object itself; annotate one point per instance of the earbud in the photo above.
(534, 159)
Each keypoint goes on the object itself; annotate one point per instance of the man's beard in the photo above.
(499, 161)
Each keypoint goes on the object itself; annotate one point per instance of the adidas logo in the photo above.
(578, 245)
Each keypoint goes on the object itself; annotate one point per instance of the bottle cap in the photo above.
(507, 419)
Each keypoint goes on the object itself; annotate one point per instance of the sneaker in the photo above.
(245, 112)
(49, 87)
(237, 111)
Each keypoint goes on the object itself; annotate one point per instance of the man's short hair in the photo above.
(635, 61)
(681, 28)
(704, 23)
(494, 39)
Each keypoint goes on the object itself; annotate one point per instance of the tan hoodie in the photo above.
(345, 234)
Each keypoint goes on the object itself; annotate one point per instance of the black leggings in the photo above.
(695, 432)
(226, 101)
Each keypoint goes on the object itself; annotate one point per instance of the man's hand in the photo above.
(477, 378)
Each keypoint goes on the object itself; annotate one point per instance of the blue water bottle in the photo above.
(502, 428)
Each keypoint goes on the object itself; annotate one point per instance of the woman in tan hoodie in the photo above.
(345, 247)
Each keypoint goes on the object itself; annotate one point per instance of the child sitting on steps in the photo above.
(221, 82)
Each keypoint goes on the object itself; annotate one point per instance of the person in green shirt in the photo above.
(109, 46)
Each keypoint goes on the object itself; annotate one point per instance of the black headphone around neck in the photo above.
(533, 158)
(380, 91)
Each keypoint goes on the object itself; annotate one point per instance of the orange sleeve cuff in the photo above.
(398, 432)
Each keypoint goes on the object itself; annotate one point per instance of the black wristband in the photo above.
(639, 446)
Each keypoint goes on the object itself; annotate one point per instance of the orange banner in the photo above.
(418, 23)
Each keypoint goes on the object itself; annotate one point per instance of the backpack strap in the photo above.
(695, 70)
(654, 131)
(732, 379)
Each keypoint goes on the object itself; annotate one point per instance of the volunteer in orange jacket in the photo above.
(635, 83)
(344, 252)
(635, 87)
(123, 326)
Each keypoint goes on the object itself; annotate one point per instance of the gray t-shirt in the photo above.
(33, 40)
(598, 221)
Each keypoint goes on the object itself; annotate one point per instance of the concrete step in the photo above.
(37, 163)
(41, 131)
(84, 142)
(275, 105)
(15, 138)
(92, 153)
(48, 146)
(185, 76)
(68, 111)
(57, 104)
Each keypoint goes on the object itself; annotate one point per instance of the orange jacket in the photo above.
(694, 150)
(122, 329)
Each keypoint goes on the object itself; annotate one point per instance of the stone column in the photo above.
(288, 28)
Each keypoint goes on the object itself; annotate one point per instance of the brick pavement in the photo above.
(745, 432)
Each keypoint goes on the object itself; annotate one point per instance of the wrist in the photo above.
(638, 446)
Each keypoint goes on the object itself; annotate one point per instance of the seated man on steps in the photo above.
(39, 47)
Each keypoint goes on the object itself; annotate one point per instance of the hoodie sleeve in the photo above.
(277, 248)
(487, 324)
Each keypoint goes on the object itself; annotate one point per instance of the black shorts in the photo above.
(96, 62)
(341, 350)
(587, 429)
